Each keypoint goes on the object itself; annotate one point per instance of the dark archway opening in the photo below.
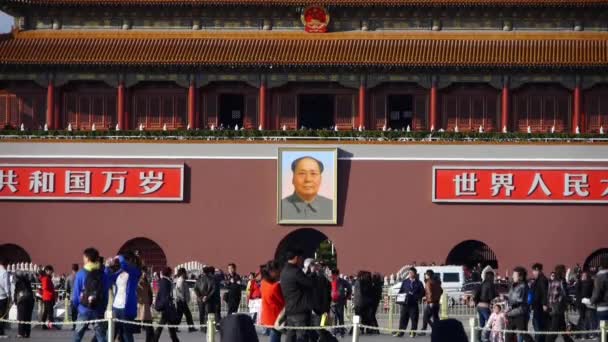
(151, 253)
(400, 111)
(593, 260)
(317, 111)
(14, 254)
(312, 242)
(472, 253)
(232, 110)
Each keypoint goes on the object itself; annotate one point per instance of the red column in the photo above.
(362, 104)
(192, 105)
(504, 113)
(57, 114)
(433, 106)
(121, 105)
(50, 105)
(263, 104)
(576, 114)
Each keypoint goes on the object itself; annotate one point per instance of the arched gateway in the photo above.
(14, 254)
(593, 260)
(307, 239)
(151, 253)
(470, 253)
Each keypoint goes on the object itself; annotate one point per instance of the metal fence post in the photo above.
(444, 302)
(603, 331)
(210, 328)
(67, 310)
(472, 323)
(110, 330)
(356, 322)
(391, 312)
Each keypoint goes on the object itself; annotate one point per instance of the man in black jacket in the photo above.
(540, 287)
(234, 287)
(297, 292)
(205, 290)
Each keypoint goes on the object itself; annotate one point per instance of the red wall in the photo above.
(388, 220)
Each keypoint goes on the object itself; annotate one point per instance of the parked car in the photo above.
(451, 277)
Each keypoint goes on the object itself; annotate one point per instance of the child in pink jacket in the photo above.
(497, 323)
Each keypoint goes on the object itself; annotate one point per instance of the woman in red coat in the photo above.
(48, 296)
(272, 298)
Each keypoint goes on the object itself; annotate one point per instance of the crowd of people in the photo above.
(298, 293)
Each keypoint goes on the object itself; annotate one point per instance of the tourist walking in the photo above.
(588, 321)
(376, 291)
(234, 287)
(182, 298)
(341, 291)
(433, 292)
(538, 290)
(517, 299)
(483, 298)
(5, 294)
(68, 291)
(600, 291)
(165, 305)
(557, 304)
(410, 294)
(296, 288)
(272, 298)
(144, 305)
(254, 297)
(205, 289)
(24, 299)
(90, 295)
(125, 281)
(47, 291)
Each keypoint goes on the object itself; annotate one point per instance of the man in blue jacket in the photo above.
(125, 293)
(414, 291)
(90, 295)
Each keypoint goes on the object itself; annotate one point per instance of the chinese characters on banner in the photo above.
(520, 184)
(91, 182)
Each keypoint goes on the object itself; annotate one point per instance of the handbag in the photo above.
(401, 299)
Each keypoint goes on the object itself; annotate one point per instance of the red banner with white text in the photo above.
(91, 182)
(520, 184)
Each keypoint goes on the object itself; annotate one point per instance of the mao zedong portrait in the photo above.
(305, 203)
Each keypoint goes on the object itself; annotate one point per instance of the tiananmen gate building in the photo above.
(535, 67)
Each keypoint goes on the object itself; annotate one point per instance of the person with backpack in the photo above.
(24, 298)
(125, 282)
(341, 291)
(90, 295)
(165, 305)
(557, 304)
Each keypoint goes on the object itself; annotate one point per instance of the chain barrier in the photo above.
(36, 323)
(533, 332)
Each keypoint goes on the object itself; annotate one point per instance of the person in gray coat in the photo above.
(182, 298)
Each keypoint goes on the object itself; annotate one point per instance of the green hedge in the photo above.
(388, 135)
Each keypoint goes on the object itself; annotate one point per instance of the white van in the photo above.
(452, 278)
